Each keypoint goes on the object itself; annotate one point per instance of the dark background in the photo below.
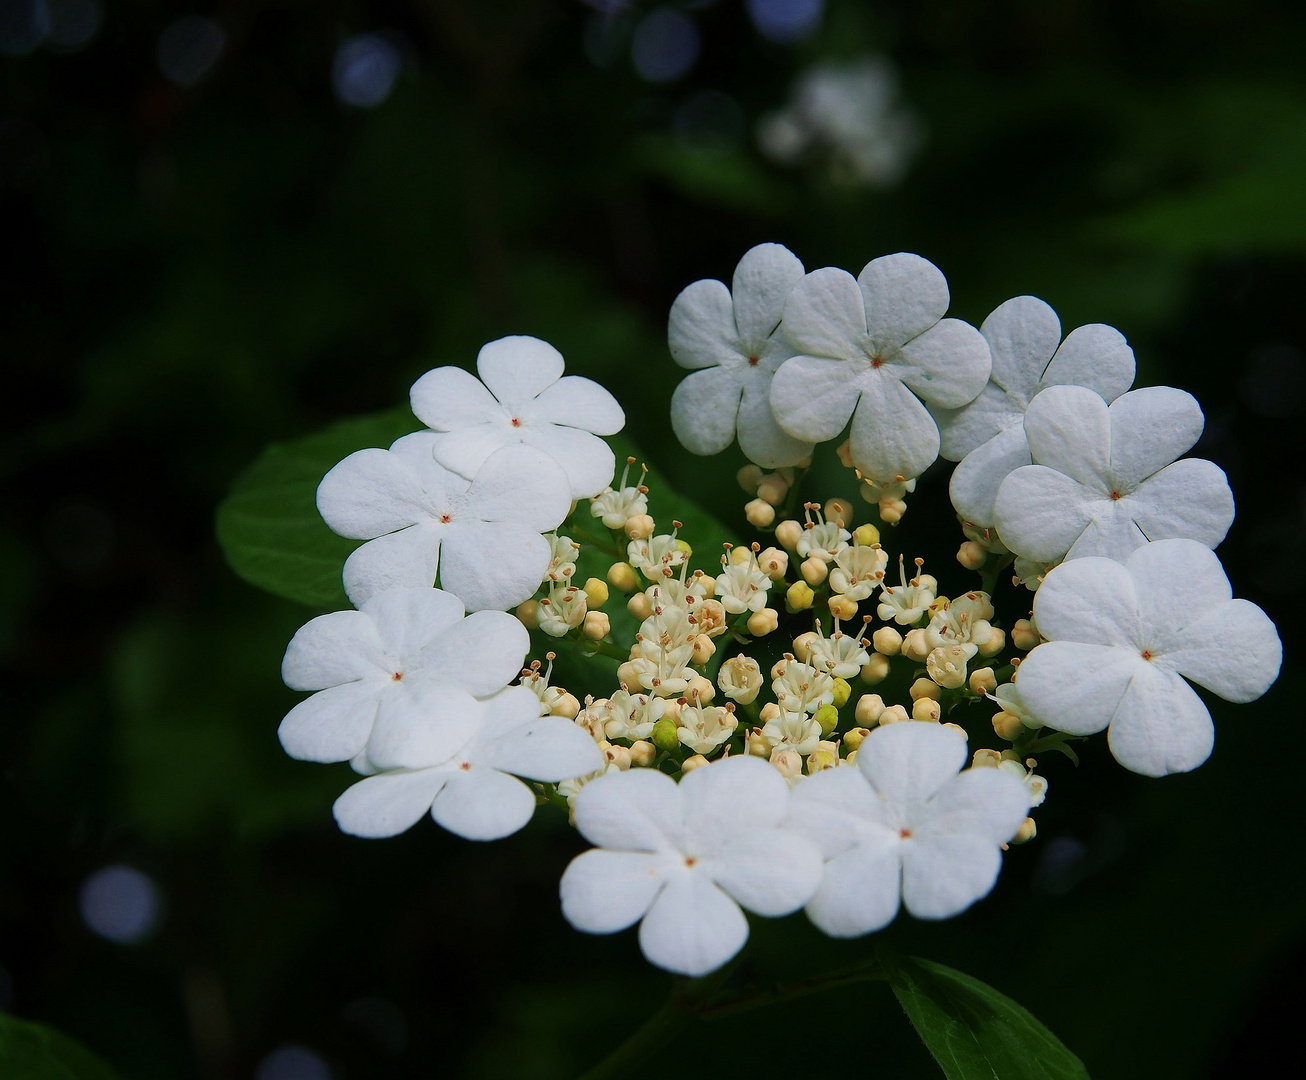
(198, 259)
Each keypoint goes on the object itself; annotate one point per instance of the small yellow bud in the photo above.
(706, 582)
(756, 745)
(1024, 636)
(866, 535)
(887, 640)
(566, 706)
(894, 714)
(528, 614)
(851, 759)
(774, 563)
(761, 623)
(870, 707)
(799, 596)
(596, 593)
(692, 763)
(596, 625)
(828, 717)
(985, 759)
(640, 606)
(840, 510)
(1027, 831)
(740, 555)
(959, 730)
(664, 734)
(971, 555)
(683, 547)
(915, 647)
(642, 753)
(876, 669)
(778, 668)
(704, 649)
(749, 477)
(891, 510)
(947, 666)
(788, 533)
(640, 527)
(996, 643)
(788, 762)
(769, 712)
(814, 571)
(924, 688)
(983, 681)
(618, 756)
(926, 709)
(842, 607)
(803, 645)
(629, 678)
(842, 692)
(772, 489)
(760, 514)
(700, 691)
(825, 756)
(622, 576)
(1007, 725)
(854, 737)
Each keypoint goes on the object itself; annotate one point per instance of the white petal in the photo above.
(575, 401)
(482, 653)
(440, 484)
(825, 315)
(483, 804)
(1189, 499)
(1096, 356)
(1040, 512)
(493, 565)
(464, 451)
(730, 796)
(449, 399)
(836, 808)
(1234, 651)
(370, 493)
(1069, 430)
(332, 725)
(904, 295)
(407, 620)
(1112, 534)
(387, 804)
(761, 284)
(409, 558)
(892, 434)
(1022, 333)
(987, 804)
(1089, 600)
(701, 329)
(693, 927)
(962, 430)
(948, 365)
(761, 439)
(421, 723)
(1074, 687)
(606, 891)
(638, 810)
(943, 875)
(1177, 582)
(860, 889)
(547, 748)
(332, 649)
(519, 368)
(813, 397)
(1160, 725)
(1149, 429)
(976, 480)
(587, 460)
(908, 763)
(704, 408)
(769, 871)
(522, 486)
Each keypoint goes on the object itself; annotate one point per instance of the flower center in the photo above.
(466, 766)
(1147, 654)
(904, 834)
(1115, 495)
(753, 361)
(446, 518)
(397, 676)
(516, 422)
(690, 860)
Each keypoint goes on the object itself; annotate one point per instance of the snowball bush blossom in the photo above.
(483, 537)
(728, 338)
(405, 653)
(987, 436)
(522, 397)
(684, 858)
(1105, 480)
(904, 824)
(1121, 639)
(876, 348)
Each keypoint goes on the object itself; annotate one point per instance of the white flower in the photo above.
(563, 552)
(1121, 636)
(657, 557)
(840, 655)
(740, 679)
(683, 858)
(907, 601)
(632, 716)
(904, 823)
(859, 571)
(801, 688)
(483, 536)
(789, 730)
(874, 348)
(1103, 482)
(471, 789)
(704, 728)
(405, 653)
(742, 585)
(988, 435)
(615, 508)
(524, 399)
(1009, 762)
(731, 344)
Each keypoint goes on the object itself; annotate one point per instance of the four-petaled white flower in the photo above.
(876, 348)
(405, 653)
(905, 824)
(469, 785)
(1122, 637)
(730, 343)
(988, 436)
(684, 858)
(1105, 480)
(483, 537)
(523, 398)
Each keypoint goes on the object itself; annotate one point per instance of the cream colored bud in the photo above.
(566, 706)
(622, 576)
(814, 571)
(985, 759)
(772, 489)
(914, 646)
(876, 669)
(869, 709)
(1007, 725)
(683, 547)
(640, 606)
(842, 692)
(628, 676)
(825, 756)
(803, 644)
(840, 510)
(671, 710)
(947, 666)
(1024, 635)
(996, 643)
(887, 640)
(704, 650)
(828, 717)
(619, 756)
(958, 729)
(665, 736)
(740, 679)
(774, 563)
(1027, 831)
(759, 514)
(596, 592)
(854, 737)
(799, 596)
(971, 555)
(756, 744)
(845, 452)
(851, 759)
(640, 527)
(769, 712)
(789, 763)
(749, 477)
(788, 533)
(894, 714)
(740, 555)
(528, 614)
(842, 607)
(983, 681)
(763, 622)
(891, 510)
(926, 709)
(866, 535)
(924, 688)
(692, 763)
(778, 668)
(643, 753)
(700, 691)
(596, 626)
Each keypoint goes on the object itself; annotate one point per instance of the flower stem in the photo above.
(604, 648)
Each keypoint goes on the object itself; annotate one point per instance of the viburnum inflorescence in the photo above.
(796, 718)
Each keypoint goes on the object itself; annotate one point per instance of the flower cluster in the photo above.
(840, 778)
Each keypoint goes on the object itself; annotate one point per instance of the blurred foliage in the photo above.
(193, 273)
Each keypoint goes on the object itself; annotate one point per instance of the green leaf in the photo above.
(974, 1032)
(269, 527)
(31, 1051)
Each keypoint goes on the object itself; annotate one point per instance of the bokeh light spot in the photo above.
(120, 904)
(23, 25)
(291, 1062)
(365, 69)
(786, 21)
(73, 23)
(188, 49)
(665, 45)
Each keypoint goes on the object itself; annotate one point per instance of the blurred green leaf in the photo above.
(31, 1051)
(974, 1032)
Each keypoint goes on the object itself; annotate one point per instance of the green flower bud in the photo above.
(664, 734)
(828, 717)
